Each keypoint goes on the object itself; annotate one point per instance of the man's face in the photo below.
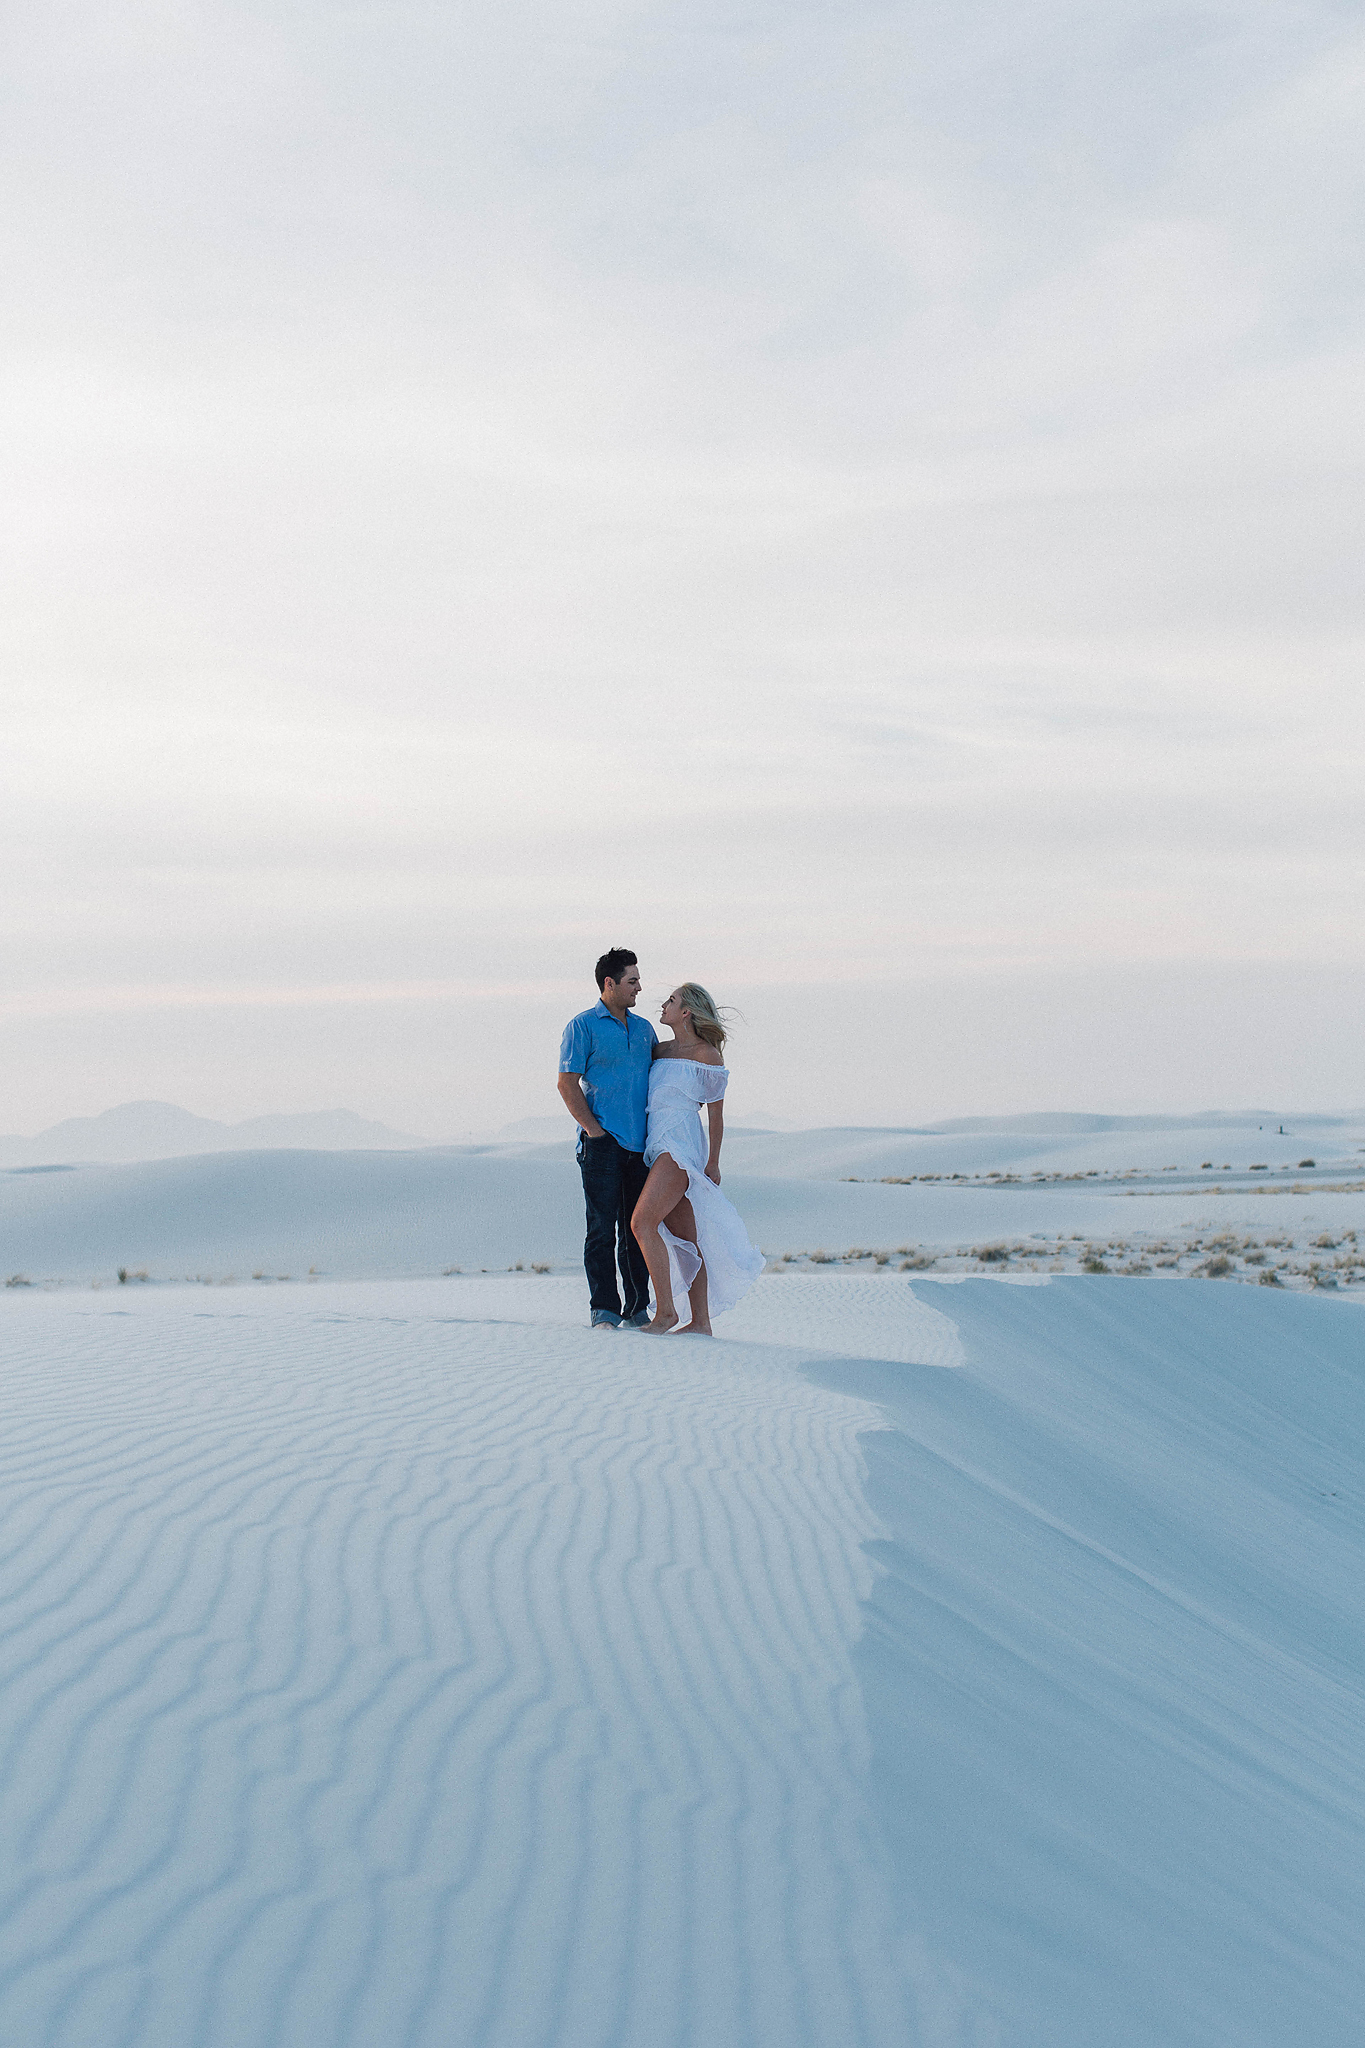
(626, 991)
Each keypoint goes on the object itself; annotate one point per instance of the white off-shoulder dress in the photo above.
(677, 1091)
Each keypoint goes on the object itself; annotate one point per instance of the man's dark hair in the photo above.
(613, 965)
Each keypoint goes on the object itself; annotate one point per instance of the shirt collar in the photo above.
(603, 1011)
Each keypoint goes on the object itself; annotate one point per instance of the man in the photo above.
(604, 1064)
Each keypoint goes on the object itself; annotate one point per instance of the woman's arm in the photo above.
(715, 1117)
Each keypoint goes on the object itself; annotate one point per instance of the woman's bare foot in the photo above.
(663, 1321)
(696, 1330)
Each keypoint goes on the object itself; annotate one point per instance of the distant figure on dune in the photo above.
(692, 1238)
(604, 1069)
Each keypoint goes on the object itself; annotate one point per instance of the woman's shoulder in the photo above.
(709, 1057)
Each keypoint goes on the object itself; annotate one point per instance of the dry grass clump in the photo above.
(1094, 1263)
(18, 1280)
(1218, 1267)
(915, 1262)
(1270, 1279)
(822, 1258)
(1308, 1162)
(991, 1254)
(541, 1266)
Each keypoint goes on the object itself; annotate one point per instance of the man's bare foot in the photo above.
(661, 1324)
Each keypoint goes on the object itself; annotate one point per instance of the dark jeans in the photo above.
(612, 1181)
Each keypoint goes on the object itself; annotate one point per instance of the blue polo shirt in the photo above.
(614, 1060)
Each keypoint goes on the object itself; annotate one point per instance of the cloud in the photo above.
(826, 484)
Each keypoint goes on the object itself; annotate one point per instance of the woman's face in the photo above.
(673, 1014)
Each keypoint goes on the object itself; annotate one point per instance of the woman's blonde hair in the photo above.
(706, 1017)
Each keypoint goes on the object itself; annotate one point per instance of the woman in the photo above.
(693, 1241)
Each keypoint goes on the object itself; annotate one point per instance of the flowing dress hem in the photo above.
(730, 1271)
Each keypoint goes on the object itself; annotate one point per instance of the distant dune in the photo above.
(1078, 1123)
(292, 1210)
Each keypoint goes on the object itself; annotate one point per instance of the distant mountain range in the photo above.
(160, 1130)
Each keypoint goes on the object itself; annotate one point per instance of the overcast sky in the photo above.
(861, 503)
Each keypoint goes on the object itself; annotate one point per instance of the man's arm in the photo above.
(571, 1089)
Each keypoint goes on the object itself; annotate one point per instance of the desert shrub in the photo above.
(1308, 1162)
(1260, 1167)
(822, 1258)
(1094, 1264)
(1218, 1267)
(541, 1266)
(991, 1254)
(1270, 1279)
(18, 1280)
(917, 1261)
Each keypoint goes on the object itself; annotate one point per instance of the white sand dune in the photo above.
(350, 1214)
(378, 1670)
(397, 1662)
(1049, 1145)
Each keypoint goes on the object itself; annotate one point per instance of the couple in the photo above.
(650, 1180)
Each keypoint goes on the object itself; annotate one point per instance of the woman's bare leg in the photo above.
(683, 1223)
(666, 1183)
